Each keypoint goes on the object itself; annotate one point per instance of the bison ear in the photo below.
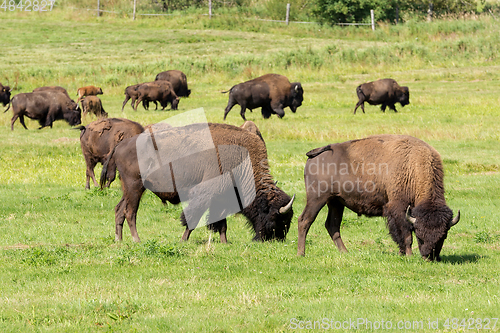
(455, 220)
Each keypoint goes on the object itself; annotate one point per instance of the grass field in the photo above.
(62, 270)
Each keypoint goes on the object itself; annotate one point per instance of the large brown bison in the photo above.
(176, 166)
(5, 94)
(46, 107)
(132, 93)
(99, 138)
(88, 91)
(160, 91)
(177, 79)
(52, 88)
(386, 92)
(381, 175)
(93, 104)
(271, 92)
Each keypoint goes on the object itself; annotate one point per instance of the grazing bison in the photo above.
(271, 92)
(386, 92)
(99, 138)
(93, 104)
(160, 91)
(381, 175)
(46, 107)
(131, 93)
(5, 94)
(239, 162)
(177, 79)
(52, 88)
(88, 91)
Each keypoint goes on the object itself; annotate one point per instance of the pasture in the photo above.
(62, 270)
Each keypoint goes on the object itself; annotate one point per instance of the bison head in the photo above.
(296, 96)
(5, 95)
(99, 91)
(403, 96)
(73, 116)
(431, 229)
(271, 215)
(175, 103)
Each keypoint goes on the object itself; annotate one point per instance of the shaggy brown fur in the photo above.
(99, 138)
(265, 213)
(380, 175)
(93, 105)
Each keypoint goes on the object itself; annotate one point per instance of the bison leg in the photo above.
(127, 208)
(332, 224)
(90, 174)
(392, 107)
(399, 228)
(358, 104)
(221, 228)
(21, 120)
(229, 106)
(127, 97)
(313, 206)
(383, 107)
(119, 219)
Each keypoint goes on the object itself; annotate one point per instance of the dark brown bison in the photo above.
(386, 92)
(46, 107)
(131, 93)
(381, 175)
(5, 94)
(99, 138)
(271, 92)
(177, 79)
(176, 166)
(88, 91)
(52, 88)
(93, 104)
(160, 91)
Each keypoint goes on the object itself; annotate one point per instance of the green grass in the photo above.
(61, 269)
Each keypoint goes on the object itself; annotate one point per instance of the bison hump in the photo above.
(315, 152)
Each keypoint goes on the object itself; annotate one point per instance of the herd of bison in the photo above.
(398, 177)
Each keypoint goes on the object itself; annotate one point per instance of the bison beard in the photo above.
(269, 214)
(408, 190)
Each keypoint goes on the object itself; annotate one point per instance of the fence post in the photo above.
(397, 14)
(133, 14)
(429, 11)
(98, 7)
(287, 13)
(373, 19)
(209, 8)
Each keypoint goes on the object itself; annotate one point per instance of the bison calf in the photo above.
(160, 91)
(132, 93)
(93, 104)
(381, 175)
(88, 91)
(99, 138)
(386, 92)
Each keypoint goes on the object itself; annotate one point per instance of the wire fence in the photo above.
(210, 13)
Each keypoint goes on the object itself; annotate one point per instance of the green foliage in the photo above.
(354, 11)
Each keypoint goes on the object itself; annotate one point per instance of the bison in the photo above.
(161, 91)
(93, 104)
(197, 178)
(5, 94)
(88, 91)
(177, 79)
(386, 92)
(398, 177)
(131, 93)
(271, 92)
(99, 138)
(46, 107)
(52, 88)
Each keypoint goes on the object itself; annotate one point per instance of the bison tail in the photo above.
(359, 92)
(81, 128)
(8, 107)
(315, 152)
(104, 172)
(225, 92)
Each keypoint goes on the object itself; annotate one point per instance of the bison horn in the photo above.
(285, 209)
(296, 88)
(455, 219)
(410, 218)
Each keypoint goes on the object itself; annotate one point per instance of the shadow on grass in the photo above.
(460, 260)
